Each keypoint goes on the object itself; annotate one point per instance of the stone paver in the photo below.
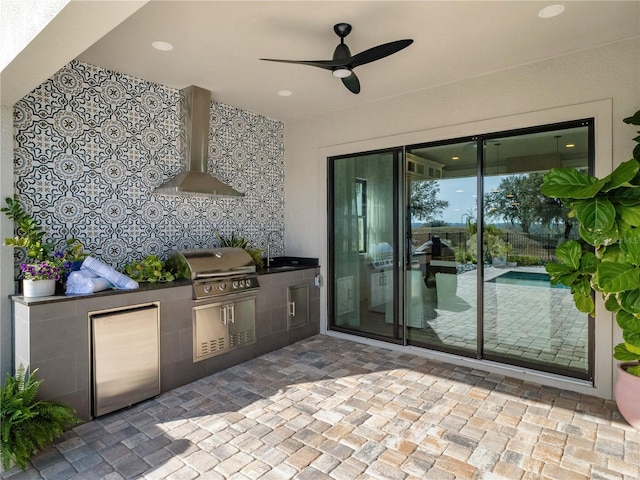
(327, 408)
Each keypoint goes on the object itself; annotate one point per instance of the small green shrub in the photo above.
(26, 424)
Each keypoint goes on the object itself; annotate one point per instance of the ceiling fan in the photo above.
(343, 63)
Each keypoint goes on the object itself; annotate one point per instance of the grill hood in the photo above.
(195, 103)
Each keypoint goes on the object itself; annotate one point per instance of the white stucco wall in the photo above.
(463, 108)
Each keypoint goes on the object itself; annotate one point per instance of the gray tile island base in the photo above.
(53, 334)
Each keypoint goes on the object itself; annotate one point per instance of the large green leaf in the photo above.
(617, 277)
(596, 239)
(628, 321)
(584, 303)
(597, 214)
(630, 246)
(560, 273)
(570, 183)
(632, 338)
(589, 263)
(630, 301)
(620, 352)
(569, 254)
(630, 215)
(581, 287)
(622, 175)
(611, 303)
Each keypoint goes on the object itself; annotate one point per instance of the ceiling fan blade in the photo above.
(352, 83)
(376, 53)
(326, 64)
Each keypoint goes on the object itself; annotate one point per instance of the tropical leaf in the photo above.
(569, 254)
(611, 303)
(630, 246)
(596, 239)
(570, 183)
(628, 321)
(581, 286)
(630, 215)
(584, 303)
(589, 263)
(597, 214)
(622, 175)
(632, 338)
(617, 277)
(620, 352)
(630, 301)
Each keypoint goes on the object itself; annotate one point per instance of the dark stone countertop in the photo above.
(278, 265)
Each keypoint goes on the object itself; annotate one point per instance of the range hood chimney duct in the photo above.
(195, 103)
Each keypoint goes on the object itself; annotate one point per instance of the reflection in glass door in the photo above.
(464, 270)
(527, 321)
(441, 276)
(363, 244)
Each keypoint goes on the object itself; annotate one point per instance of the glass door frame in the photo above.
(401, 240)
(397, 156)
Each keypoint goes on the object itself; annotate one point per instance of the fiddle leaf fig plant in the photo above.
(607, 257)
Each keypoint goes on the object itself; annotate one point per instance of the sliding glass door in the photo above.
(443, 245)
(441, 294)
(363, 243)
(525, 320)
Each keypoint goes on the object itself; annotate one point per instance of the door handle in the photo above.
(292, 309)
(232, 317)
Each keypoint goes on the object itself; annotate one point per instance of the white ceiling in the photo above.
(217, 45)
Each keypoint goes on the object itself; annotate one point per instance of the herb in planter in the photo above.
(150, 270)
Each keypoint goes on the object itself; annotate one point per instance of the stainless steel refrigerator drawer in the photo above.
(126, 357)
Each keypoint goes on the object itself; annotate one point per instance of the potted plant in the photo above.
(27, 424)
(44, 266)
(150, 269)
(40, 277)
(606, 259)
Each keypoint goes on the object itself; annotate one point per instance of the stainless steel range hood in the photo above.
(195, 181)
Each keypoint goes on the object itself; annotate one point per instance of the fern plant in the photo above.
(27, 424)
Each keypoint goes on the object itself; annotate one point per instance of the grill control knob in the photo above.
(242, 283)
(234, 284)
(207, 289)
(222, 286)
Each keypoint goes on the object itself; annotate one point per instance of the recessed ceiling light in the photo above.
(455, 158)
(551, 11)
(459, 191)
(285, 93)
(163, 46)
(570, 145)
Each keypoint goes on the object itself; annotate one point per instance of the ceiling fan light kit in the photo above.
(342, 63)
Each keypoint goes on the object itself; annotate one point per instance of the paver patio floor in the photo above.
(327, 408)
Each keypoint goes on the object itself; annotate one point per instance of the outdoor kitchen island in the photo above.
(53, 334)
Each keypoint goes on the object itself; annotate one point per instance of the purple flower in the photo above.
(41, 270)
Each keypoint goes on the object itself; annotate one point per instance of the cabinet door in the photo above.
(241, 322)
(381, 289)
(298, 305)
(126, 358)
(210, 333)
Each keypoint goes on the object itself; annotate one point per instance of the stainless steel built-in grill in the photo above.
(225, 285)
(215, 272)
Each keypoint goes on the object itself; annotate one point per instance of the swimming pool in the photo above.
(528, 279)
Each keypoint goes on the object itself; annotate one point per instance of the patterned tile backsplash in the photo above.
(92, 144)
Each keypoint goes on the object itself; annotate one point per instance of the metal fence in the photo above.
(530, 246)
